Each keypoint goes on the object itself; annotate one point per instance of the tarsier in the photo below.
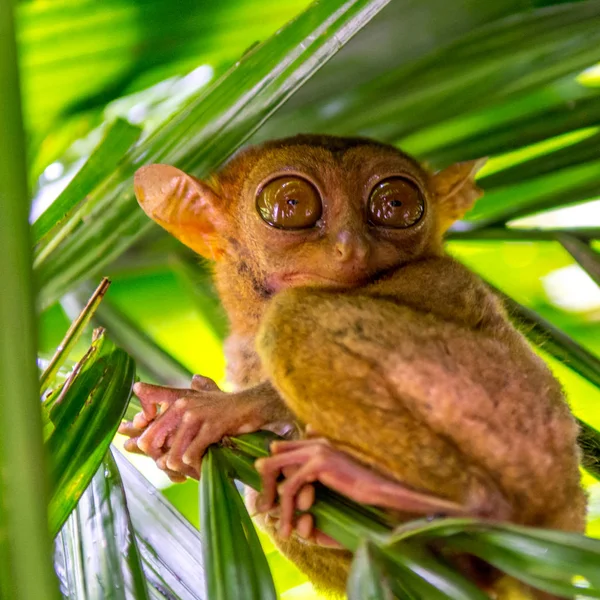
(412, 390)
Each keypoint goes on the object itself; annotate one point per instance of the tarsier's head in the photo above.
(311, 210)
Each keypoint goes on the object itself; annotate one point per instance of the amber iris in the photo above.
(396, 202)
(289, 203)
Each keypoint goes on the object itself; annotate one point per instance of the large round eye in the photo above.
(396, 202)
(289, 203)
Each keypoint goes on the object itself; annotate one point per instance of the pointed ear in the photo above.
(455, 191)
(186, 207)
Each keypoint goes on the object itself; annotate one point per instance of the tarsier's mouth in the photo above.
(281, 281)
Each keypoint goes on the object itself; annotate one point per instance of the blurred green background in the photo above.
(515, 80)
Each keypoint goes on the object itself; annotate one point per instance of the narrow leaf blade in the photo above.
(85, 420)
(367, 579)
(101, 520)
(117, 140)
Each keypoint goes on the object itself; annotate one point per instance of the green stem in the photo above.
(73, 334)
(25, 550)
(507, 234)
(343, 520)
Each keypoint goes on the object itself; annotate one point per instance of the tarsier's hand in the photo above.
(176, 426)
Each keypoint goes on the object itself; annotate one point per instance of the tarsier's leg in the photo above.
(317, 460)
(468, 416)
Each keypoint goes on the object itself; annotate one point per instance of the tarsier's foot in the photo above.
(311, 460)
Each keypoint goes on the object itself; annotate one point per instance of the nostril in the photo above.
(361, 249)
(343, 251)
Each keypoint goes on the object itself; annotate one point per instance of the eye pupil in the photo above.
(396, 203)
(292, 201)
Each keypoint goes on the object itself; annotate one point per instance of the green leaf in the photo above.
(550, 577)
(588, 259)
(553, 552)
(86, 412)
(114, 48)
(546, 559)
(169, 545)
(507, 125)
(101, 520)
(567, 186)
(203, 134)
(565, 155)
(25, 557)
(367, 579)
(226, 549)
(428, 577)
(258, 563)
(119, 137)
(469, 73)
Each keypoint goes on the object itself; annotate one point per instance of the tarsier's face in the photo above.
(332, 219)
(311, 210)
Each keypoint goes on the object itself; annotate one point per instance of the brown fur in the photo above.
(410, 364)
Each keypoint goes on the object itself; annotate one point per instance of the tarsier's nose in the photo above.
(351, 246)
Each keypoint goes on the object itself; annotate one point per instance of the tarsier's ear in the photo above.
(186, 207)
(455, 190)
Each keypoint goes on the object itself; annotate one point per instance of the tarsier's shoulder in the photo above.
(445, 288)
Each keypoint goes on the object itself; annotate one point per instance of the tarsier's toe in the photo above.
(305, 526)
(131, 445)
(129, 429)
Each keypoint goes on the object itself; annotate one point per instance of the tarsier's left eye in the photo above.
(395, 202)
(289, 203)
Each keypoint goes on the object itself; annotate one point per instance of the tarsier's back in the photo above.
(329, 261)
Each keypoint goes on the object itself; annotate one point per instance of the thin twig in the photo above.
(73, 334)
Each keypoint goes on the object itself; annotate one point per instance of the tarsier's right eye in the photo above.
(289, 203)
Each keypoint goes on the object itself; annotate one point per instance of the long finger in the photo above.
(268, 476)
(131, 445)
(187, 431)
(155, 437)
(129, 429)
(153, 396)
(306, 497)
(192, 457)
(305, 525)
(174, 476)
(324, 540)
(288, 497)
(141, 421)
(282, 446)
